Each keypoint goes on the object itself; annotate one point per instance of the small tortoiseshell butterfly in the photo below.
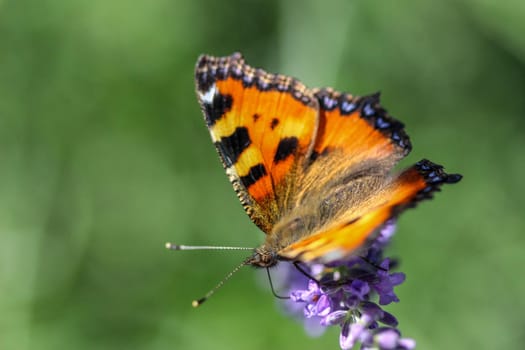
(311, 167)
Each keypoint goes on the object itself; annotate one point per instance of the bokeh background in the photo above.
(104, 157)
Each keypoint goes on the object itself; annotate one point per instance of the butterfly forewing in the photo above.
(263, 127)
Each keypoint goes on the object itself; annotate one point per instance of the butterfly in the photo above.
(313, 168)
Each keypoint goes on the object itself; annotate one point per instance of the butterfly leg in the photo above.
(371, 263)
(271, 286)
(304, 272)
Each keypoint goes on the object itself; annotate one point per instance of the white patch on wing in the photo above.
(231, 172)
(207, 96)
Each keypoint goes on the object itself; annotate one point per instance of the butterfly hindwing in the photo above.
(347, 236)
(263, 127)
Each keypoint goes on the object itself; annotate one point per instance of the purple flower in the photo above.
(384, 286)
(354, 331)
(345, 293)
(389, 339)
(298, 284)
(357, 291)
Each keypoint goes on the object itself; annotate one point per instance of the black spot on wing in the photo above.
(256, 117)
(215, 110)
(286, 147)
(231, 147)
(274, 123)
(256, 172)
(315, 155)
(204, 80)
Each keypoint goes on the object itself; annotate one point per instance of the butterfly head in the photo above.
(263, 257)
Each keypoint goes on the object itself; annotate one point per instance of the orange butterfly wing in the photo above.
(336, 242)
(311, 167)
(359, 127)
(263, 127)
(356, 138)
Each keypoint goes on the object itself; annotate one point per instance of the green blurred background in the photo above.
(104, 157)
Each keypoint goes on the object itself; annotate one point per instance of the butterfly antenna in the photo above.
(172, 246)
(199, 302)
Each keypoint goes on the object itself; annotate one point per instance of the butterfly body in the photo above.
(311, 167)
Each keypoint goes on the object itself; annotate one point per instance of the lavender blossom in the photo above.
(344, 294)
